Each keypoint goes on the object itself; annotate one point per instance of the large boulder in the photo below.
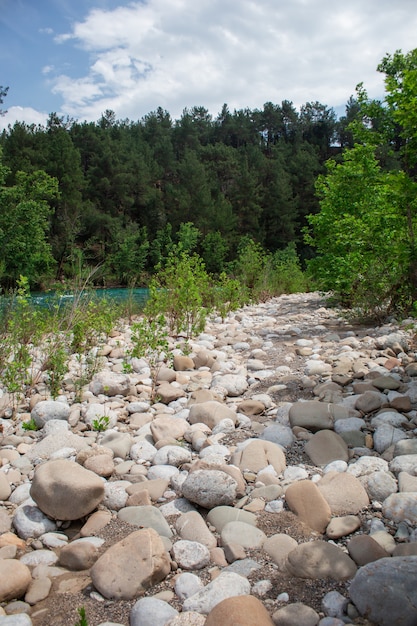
(131, 566)
(385, 591)
(66, 491)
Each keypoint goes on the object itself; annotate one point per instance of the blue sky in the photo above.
(81, 57)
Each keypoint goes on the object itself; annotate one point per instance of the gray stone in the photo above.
(245, 535)
(46, 410)
(386, 435)
(385, 591)
(279, 434)
(404, 463)
(226, 585)
(221, 515)
(151, 612)
(380, 485)
(400, 507)
(210, 488)
(110, 384)
(190, 555)
(146, 517)
(30, 522)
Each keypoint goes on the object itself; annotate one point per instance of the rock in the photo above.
(278, 547)
(78, 555)
(296, 614)
(210, 413)
(384, 591)
(245, 535)
(64, 490)
(183, 363)
(370, 401)
(244, 610)
(306, 501)
(363, 549)
(192, 526)
(186, 585)
(131, 566)
(210, 488)
(279, 434)
(38, 590)
(146, 517)
(5, 489)
(312, 415)
(169, 393)
(342, 526)
(221, 515)
(164, 427)
(46, 410)
(226, 585)
(251, 407)
(318, 559)
(30, 522)
(151, 612)
(234, 384)
(119, 443)
(190, 554)
(343, 492)
(15, 579)
(110, 384)
(385, 435)
(404, 463)
(258, 455)
(401, 507)
(380, 485)
(326, 446)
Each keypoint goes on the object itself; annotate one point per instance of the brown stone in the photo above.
(305, 500)
(131, 566)
(363, 549)
(239, 611)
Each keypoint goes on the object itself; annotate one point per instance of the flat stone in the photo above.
(326, 446)
(278, 547)
(245, 535)
(146, 517)
(318, 559)
(342, 526)
(221, 515)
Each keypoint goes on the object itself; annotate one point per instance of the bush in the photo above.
(181, 291)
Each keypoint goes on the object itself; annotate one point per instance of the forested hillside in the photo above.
(124, 188)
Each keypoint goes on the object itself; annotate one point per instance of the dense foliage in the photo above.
(126, 188)
(364, 232)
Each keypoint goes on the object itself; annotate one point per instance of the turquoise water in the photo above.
(138, 296)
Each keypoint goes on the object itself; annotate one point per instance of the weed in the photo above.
(30, 425)
(83, 618)
(101, 423)
(150, 340)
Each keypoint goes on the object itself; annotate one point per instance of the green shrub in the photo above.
(181, 292)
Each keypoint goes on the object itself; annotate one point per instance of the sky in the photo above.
(78, 58)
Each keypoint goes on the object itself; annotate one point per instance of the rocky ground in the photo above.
(273, 482)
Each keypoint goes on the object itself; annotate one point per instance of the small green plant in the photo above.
(150, 341)
(101, 423)
(83, 618)
(30, 425)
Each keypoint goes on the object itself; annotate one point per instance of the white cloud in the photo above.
(181, 53)
(22, 114)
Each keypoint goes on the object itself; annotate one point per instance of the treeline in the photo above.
(119, 194)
